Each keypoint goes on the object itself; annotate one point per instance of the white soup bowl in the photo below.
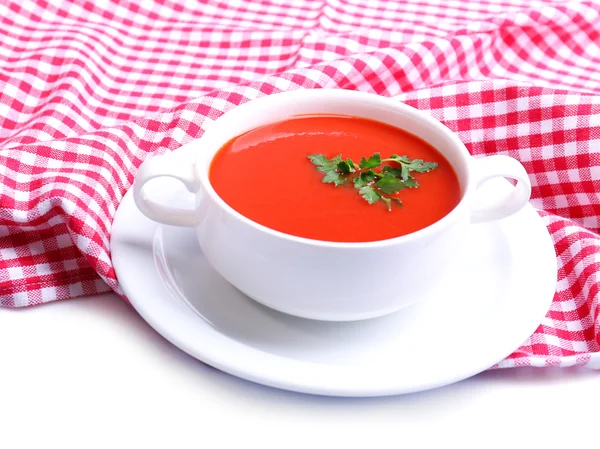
(320, 279)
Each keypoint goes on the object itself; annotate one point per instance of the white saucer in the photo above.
(488, 303)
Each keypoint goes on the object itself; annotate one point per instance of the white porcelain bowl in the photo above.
(319, 279)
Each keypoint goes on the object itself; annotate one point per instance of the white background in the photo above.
(90, 373)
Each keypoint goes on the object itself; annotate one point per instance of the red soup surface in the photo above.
(266, 176)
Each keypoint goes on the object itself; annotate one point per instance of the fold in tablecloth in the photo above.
(89, 89)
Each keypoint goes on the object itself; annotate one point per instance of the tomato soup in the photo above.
(265, 175)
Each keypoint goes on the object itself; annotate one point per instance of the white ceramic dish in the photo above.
(487, 304)
(293, 274)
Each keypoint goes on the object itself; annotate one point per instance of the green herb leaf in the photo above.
(399, 159)
(407, 165)
(345, 168)
(364, 179)
(370, 195)
(410, 182)
(420, 166)
(373, 162)
(333, 177)
(323, 164)
(396, 172)
(390, 184)
(318, 159)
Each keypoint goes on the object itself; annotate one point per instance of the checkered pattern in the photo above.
(89, 89)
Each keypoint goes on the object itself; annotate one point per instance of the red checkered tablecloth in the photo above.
(90, 89)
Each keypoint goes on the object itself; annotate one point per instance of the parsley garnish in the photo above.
(373, 186)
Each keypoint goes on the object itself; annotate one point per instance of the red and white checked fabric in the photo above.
(89, 89)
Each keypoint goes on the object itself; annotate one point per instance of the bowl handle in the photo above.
(167, 165)
(496, 166)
